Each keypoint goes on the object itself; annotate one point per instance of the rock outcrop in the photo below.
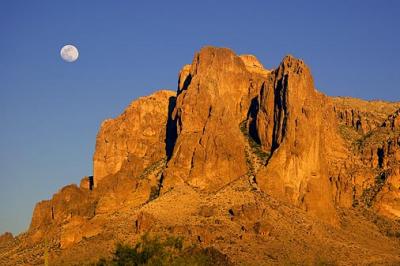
(253, 65)
(69, 202)
(213, 99)
(379, 150)
(297, 125)
(363, 116)
(135, 139)
(129, 158)
(65, 214)
(6, 238)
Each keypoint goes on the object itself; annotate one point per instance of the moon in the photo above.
(69, 53)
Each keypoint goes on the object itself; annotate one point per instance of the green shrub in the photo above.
(255, 147)
(154, 193)
(169, 251)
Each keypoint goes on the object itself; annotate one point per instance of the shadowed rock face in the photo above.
(238, 152)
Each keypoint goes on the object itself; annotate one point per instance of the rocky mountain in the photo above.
(256, 163)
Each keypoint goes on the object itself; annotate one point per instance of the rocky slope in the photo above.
(254, 162)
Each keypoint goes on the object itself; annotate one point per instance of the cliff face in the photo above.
(379, 150)
(238, 152)
(297, 126)
(129, 158)
(135, 139)
(362, 116)
(209, 151)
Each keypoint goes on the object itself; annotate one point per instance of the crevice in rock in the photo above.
(358, 125)
(255, 156)
(91, 182)
(381, 155)
(186, 84)
(280, 114)
(156, 189)
(171, 133)
(252, 116)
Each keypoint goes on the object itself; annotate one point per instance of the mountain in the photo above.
(253, 162)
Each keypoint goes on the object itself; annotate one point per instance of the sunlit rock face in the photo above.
(379, 152)
(253, 65)
(135, 139)
(69, 202)
(213, 99)
(297, 125)
(204, 146)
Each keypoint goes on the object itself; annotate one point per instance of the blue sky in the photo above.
(50, 110)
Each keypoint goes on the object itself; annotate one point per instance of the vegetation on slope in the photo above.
(169, 251)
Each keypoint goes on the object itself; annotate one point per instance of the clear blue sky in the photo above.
(50, 110)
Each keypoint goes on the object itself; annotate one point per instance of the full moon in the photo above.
(69, 53)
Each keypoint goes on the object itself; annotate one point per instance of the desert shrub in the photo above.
(369, 194)
(168, 251)
(154, 193)
(254, 145)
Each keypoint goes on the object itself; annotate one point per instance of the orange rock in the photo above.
(5, 238)
(210, 151)
(135, 139)
(299, 128)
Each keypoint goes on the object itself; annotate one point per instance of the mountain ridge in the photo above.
(240, 158)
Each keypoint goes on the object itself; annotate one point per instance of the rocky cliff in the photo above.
(297, 126)
(241, 158)
(209, 151)
(135, 139)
